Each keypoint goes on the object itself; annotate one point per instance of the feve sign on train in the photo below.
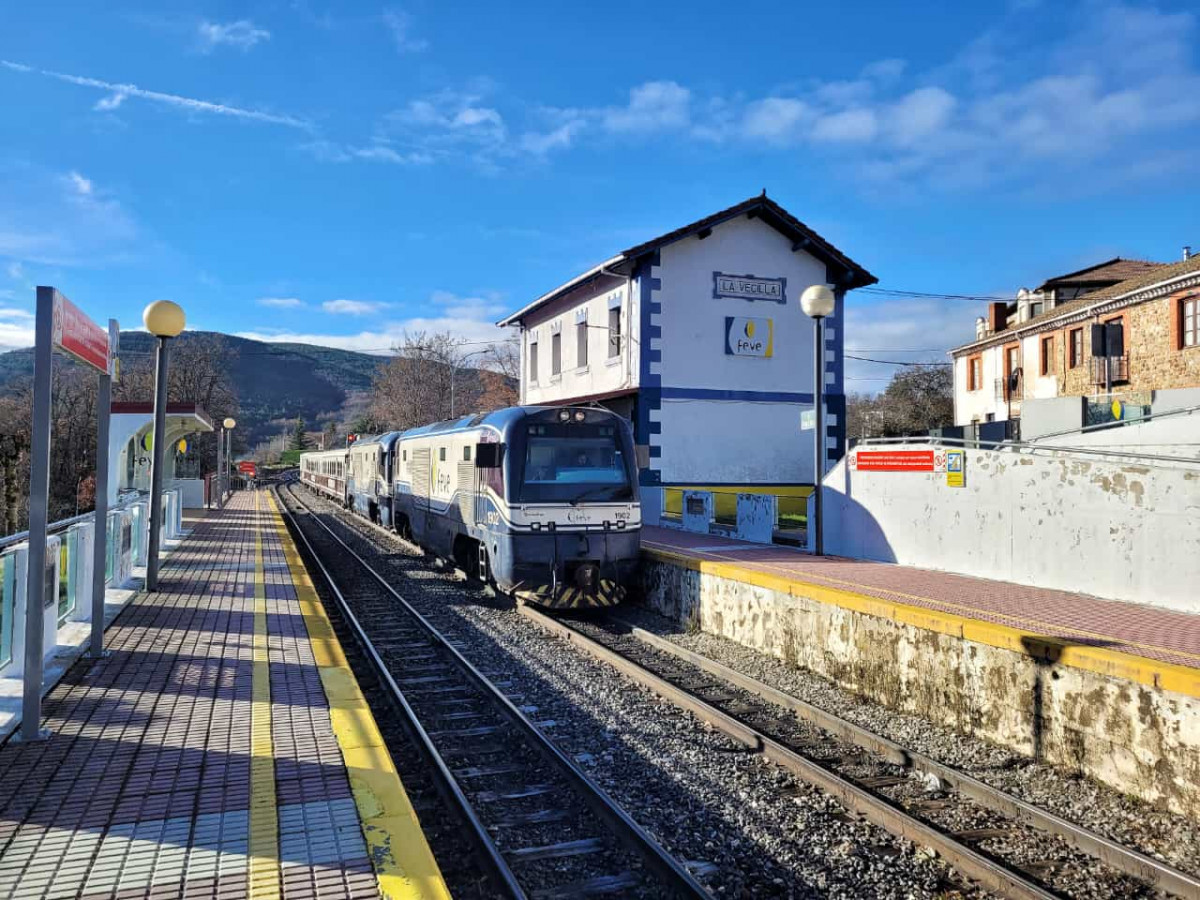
(541, 501)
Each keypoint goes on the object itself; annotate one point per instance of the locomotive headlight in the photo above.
(564, 415)
(579, 415)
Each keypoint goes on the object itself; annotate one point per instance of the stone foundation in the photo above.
(1133, 736)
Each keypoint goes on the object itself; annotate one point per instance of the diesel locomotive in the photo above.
(541, 501)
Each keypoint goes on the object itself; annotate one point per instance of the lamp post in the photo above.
(164, 320)
(229, 424)
(818, 301)
(220, 470)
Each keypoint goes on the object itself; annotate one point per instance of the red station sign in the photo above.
(76, 334)
(247, 468)
(895, 461)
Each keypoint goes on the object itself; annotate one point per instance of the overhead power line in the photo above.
(930, 295)
(896, 362)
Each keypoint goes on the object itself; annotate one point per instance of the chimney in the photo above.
(996, 316)
(980, 328)
(1187, 252)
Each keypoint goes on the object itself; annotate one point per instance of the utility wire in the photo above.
(896, 362)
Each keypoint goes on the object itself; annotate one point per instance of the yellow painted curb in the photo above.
(1113, 663)
(404, 864)
(263, 875)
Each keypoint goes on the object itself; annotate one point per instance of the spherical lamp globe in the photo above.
(229, 423)
(818, 301)
(163, 318)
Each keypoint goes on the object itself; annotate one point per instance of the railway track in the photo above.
(541, 827)
(1002, 850)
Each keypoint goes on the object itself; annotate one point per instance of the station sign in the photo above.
(77, 335)
(247, 468)
(749, 287)
(898, 460)
(747, 336)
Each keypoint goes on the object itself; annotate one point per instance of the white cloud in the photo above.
(351, 307)
(470, 318)
(884, 69)
(82, 186)
(242, 35)
(329, 151)
(399, 24)
(777, 119)
(190, 104)
(894, 329)
(13, 337)
(920, 114)
(111, 102)
(281, 302)
(847, 126)
(15, 271)
(653, 106)
(8, 312)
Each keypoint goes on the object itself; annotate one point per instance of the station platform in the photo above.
(222, 749)
(1096, 631)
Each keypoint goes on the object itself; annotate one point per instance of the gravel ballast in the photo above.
(754, 830)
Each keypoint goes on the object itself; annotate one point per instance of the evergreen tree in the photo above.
(299, 437)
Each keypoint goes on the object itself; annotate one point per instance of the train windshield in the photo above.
(571, 463)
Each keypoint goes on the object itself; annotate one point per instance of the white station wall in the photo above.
(1058, 520)
(708, 439)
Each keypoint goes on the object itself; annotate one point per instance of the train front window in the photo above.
(565, 463)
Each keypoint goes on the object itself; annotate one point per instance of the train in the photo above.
(540, 501)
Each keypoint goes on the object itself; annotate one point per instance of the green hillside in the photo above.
(273, 381)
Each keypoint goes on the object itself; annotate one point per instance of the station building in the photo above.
(698, 338)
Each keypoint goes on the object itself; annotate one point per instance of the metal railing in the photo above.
(1119, 423)
(1110, 369)
(63, 524)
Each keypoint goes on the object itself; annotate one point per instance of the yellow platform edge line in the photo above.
(264, 877)
(1112, 663)
(405, 867)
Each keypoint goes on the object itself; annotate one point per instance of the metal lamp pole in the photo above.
(220, 466)
(818, 302)
(229, 424)
(164, 320)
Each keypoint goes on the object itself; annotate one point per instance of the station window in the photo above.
(556, 354)
(404, 455)
(467, 453)
(581, 344)
(441, 454)
(533, 355)
(1047, 354)
(614, 332)
(974, 373)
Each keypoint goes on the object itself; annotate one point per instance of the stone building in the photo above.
(1040, 347)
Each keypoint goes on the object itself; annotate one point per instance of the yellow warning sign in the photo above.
(956, 468)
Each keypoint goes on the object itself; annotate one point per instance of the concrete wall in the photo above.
(1050, 519)
(1049, 416)
(1173, 435)
(1137, 738)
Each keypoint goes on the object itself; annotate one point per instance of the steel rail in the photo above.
(1159, 874)
(874, 808)
(502, 875)
(668, 869)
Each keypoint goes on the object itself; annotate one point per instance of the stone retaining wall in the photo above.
(1135, 737)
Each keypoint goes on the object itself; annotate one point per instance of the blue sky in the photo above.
(338, 173)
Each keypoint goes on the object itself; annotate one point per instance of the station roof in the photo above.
(192, 411)
(803, 238)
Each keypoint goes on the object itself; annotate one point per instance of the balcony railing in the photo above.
(1006, 391)
(1110, 369)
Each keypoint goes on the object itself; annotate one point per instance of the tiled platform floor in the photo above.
(154, 782)
(1146, 631)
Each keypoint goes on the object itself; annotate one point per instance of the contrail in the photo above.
(132, 90)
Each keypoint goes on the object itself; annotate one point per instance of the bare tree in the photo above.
(413, 388)
(917, 399)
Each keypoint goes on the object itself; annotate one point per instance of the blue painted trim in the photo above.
(649, 394)
(655, 452)
(836, 396)
(744, 396)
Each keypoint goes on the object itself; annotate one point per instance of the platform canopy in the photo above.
(128, 450)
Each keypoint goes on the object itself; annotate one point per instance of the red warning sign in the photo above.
(892, 460)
